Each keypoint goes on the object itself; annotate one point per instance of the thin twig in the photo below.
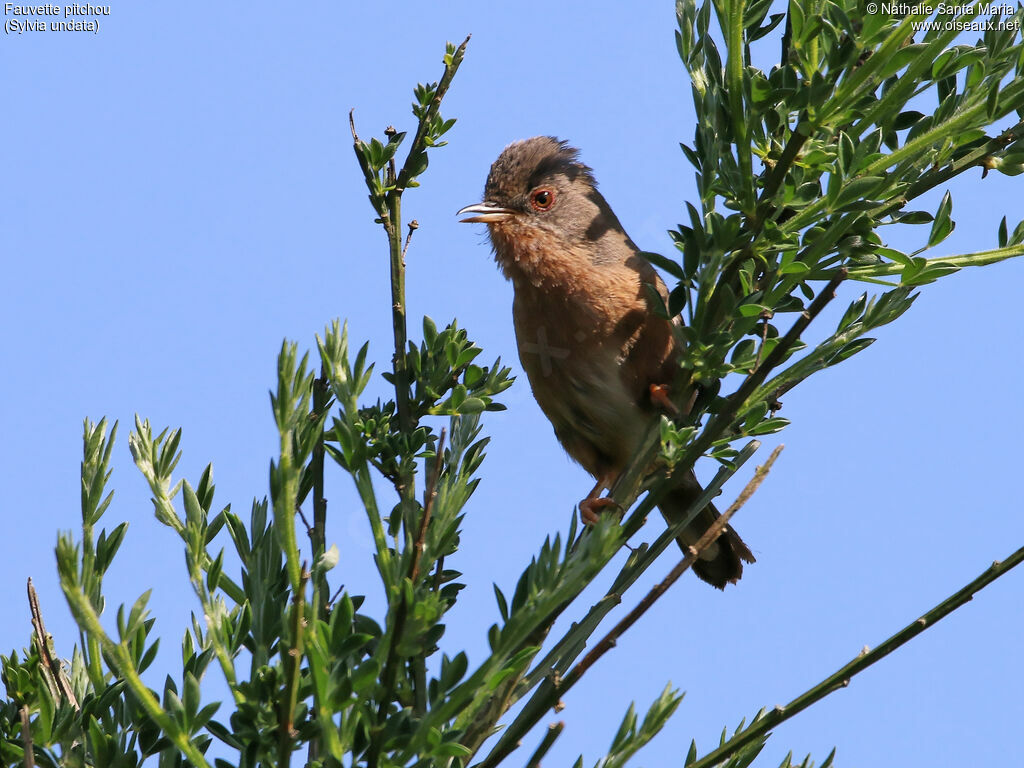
(723, 420)
(797, 139)
(841, 677)
(352, 124)
(292, 658)
(628, 486)
(26, 737)
(318, 533)
(438, 570)
(371, 178)
(55, 676)
(429, 493)
(554, 731)
(305, 522)
(413, 226)
(564, 651)
(336, 595)
(765, 317)
(392, 217)
(321, 398)
(428, 116)
(710, 536)
(392, 173)
(390, 670)
(554, 687)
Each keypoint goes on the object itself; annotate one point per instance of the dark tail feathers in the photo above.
(722, 562)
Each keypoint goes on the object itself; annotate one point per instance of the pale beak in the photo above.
(486, 213)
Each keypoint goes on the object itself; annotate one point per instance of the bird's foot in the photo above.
(591, 508)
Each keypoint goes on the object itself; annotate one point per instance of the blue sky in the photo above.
(180, 194)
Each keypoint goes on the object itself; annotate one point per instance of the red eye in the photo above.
(542, 199)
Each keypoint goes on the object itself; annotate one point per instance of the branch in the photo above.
(318, 533)
(627, 487)
(976, 259)
(450, 68)
(119, 658)
(429, 494)
(571, 643)
(390, 670)
(554, 731)
(841, 678)
(393, 223)
(56, 678)
(292, 661)
(26, 737)
(710, 536)
(553, 688)
(413, 226)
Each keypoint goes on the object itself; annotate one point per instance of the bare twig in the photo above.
(554, 686)
(713, 532)
(563, 652)
(336, 595)
(413, 226)
(841, 677)
(56, 678)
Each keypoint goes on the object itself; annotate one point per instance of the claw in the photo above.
(592, 506)
(591, 509)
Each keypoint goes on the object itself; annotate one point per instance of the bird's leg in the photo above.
(660, 397)
(592, 506)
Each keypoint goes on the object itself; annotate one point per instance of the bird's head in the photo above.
(540, 199)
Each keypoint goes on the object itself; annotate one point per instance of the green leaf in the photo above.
(849, 350)
(769, 426)
(860, 188)
(674, 268)
(943, 224)
(752, 310)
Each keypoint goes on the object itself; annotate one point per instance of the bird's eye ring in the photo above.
(542, 199)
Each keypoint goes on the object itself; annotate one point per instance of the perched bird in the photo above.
(594, 353)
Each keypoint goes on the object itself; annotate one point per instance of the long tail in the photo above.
(722, 562)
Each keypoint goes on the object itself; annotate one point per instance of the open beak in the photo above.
(486, 213)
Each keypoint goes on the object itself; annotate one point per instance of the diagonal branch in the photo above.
(552, 687)
(710, 536)
(450, 68)
(841, 678)
(554, 731)
(56, 678)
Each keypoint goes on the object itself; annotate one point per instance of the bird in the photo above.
(598, 360)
